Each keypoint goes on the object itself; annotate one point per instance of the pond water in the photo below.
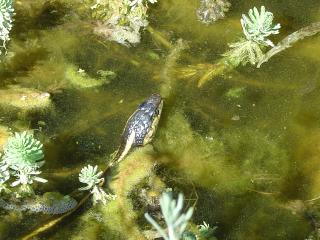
(243, 147)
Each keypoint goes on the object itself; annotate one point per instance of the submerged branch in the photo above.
(308, 31)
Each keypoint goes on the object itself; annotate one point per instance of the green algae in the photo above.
(78, 78)
(24, 99)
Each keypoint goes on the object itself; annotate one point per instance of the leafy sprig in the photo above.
(176, 221)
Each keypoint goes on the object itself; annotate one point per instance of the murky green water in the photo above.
(244, 148)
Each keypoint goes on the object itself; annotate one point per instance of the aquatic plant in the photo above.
(188, 235)
(206, 231)
(6, 20)
(91, 176)
(175, 220)
(120, 21)
(23, 156)
(80, 79)
(167, 87)
(26, 175)
(23, 150)
(243, 52)
(258, 26)
(212, 10)
(134, 3)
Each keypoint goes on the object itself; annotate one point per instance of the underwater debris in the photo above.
(287, 42)
(120, 21)
(175, 220)
(212, 10)
(50, 203)
(6, 22)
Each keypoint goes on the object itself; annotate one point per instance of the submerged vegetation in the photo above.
(235, 158)
(6, 23)
(120, 20)
(175, 220)
(212, 10)
(23, 155)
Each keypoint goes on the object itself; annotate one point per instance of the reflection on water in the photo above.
(243, 148)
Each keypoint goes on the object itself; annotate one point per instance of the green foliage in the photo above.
(206, 231)
(188, 235)
(243, 52)
(23, 156)
(23, 150)
(257, 26)
(6, 20)
(175, 220)
(89, 175)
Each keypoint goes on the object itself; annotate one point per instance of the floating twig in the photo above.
(287, 42)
